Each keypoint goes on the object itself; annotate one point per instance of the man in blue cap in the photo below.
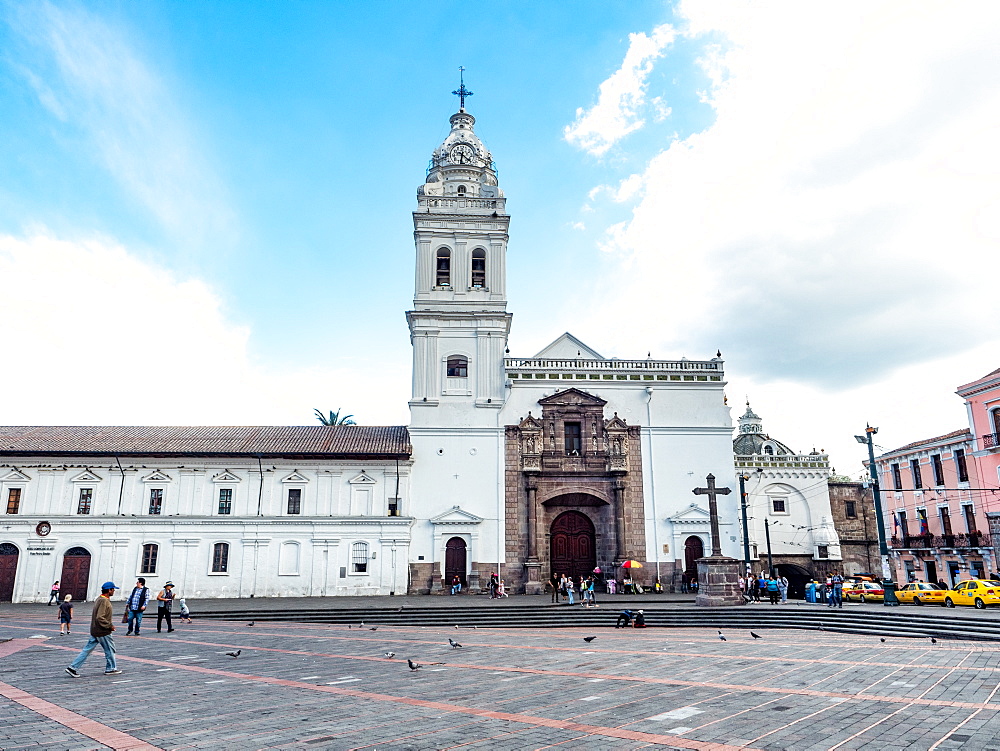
(101, 627)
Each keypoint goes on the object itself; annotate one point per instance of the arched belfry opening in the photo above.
(574, 491)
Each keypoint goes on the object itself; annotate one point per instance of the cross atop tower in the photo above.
(461, 92)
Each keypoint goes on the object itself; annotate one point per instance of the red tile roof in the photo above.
(306, 441)
(962, 434)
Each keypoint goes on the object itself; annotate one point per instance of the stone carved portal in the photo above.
(573, 545)
(571, 458)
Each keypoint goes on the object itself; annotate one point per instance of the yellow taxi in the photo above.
(864, 591)
(921, 593)
(976, 592)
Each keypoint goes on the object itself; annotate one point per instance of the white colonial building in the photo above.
(524, 466)
(789, 492)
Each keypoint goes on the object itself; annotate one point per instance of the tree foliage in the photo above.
(334, 418)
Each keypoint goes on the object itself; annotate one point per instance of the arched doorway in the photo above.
(797, 579)
(454, 560)
(8, 570)
(573, 550)
(694, 549)
(75, 574)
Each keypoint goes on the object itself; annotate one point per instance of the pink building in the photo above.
(934, 512)
(982, 400)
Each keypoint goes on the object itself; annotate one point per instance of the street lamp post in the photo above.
(767, 535)
(888, 584)
(746, 529)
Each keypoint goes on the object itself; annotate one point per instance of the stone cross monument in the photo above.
(718, 575)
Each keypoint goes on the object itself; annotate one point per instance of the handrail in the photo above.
(579, 365)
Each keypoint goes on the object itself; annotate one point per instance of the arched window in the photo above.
(458, 367)
(461, 190)
(220, 558)
(996, 423)
(150, 553)
(769, 450)
(479, 268)
(359, 558)
(443, 276)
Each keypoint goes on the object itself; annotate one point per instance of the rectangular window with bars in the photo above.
(359, 557)
(13, 500)
(961, 466)
(149, 555)
(294, 500)
(86, 500)
(220, 558)
(225, 501)
(155, 501)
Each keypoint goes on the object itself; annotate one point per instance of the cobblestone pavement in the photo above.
(319, 686)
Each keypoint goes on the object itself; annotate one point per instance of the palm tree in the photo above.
(334, 418)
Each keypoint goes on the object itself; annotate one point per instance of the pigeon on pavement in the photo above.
(756, 636)
(251, 623)
(389, 655)
(882, 639)
(235, 654)
(933, 640)
(589, 639)
(454, 644)
(373, 628)
(721, 637)
(416, 666)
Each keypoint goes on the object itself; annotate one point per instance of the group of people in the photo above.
(102, 620)
(754, 588)
(566, 588)
(498, 588)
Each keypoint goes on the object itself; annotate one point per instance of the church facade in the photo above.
(564, 461)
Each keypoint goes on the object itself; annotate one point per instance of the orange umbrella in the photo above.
(631, 564)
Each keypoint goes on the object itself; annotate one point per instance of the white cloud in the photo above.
(834, 230)
(87, 317)
(617, 112)
(86, 72)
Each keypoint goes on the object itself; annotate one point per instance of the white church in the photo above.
(563, 461)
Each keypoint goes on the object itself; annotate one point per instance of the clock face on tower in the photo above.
(462, 154)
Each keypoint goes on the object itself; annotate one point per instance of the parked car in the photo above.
(921, 593)
(864, 592)
(976, 592)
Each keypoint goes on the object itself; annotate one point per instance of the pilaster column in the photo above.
(619, 519)
(532, 489)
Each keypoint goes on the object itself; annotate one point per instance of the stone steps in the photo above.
(895, 622)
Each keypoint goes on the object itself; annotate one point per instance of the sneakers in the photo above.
(116, 671)
(128, 634)
(72, 672)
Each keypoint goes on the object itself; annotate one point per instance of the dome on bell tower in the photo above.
(461, 165)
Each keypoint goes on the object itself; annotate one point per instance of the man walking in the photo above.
(164, 601)
(554, 580)
(136, 605)
(101, 627)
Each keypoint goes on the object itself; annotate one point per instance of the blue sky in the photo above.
(205, 209)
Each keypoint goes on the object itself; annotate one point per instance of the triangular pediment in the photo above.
(616, 423)
(572, 397)
(15, 475)
(568, 347)
(530, 423)
(156, 476)
(693, 513)
(456, 515)
(297, 476)
(86, 476)
(225, 476)
(362, 479)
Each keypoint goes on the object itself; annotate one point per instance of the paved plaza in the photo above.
(319, 686)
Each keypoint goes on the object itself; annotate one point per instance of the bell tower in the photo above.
(459, 322)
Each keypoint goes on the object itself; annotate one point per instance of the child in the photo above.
(65, 615)
(185, 613)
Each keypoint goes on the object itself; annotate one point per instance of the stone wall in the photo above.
(858, 535)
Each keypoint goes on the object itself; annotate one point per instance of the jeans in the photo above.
(53, 595)
(109, 653)
(570, 592)
(836, 598)
(784, 593)
(134, 620)
(456, 588)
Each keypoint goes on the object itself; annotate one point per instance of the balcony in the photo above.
(991, 440)
(939, 542)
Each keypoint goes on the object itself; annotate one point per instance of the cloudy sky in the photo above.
(205, 209)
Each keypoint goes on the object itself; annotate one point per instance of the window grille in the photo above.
(13, 500)
(220, 558)
(295, 501)
(149, 555)
(155, 501)
(359, 557)
(225, 501)
(779, 505)
(86, 499)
